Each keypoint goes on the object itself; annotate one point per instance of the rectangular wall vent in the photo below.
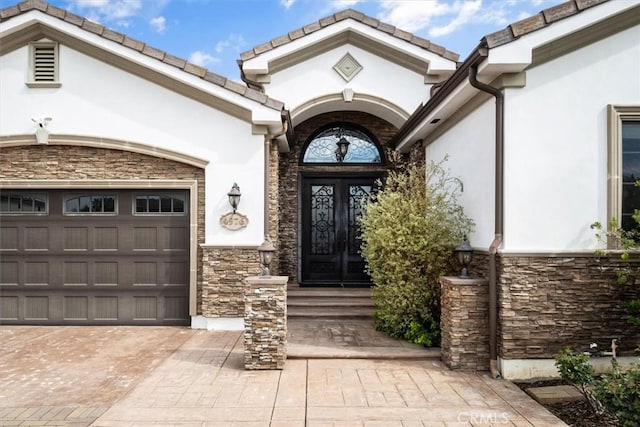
(43, 65)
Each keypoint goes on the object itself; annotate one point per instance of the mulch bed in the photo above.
(576, 414)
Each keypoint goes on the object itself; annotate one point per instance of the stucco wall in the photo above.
(315, 78)
(556, 144)
(470, 149)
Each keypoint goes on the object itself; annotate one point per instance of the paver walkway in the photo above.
(196, 378)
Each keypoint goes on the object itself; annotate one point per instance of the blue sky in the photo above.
(212, 33)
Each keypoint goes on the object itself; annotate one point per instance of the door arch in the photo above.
(345, 161)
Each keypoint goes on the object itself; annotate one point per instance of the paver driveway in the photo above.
(196, 378)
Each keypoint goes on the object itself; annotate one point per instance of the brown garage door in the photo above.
(94, 257)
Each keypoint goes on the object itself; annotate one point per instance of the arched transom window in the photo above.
(342, 144)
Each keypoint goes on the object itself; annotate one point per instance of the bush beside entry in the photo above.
(409, 230)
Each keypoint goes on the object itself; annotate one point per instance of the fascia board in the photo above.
(263, 114)
(449, 105)
(517, 55)
(260, 64)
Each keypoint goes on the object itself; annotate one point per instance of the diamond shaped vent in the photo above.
(347, 67)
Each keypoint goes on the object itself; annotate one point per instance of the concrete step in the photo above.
(329, 303)
(329, 312)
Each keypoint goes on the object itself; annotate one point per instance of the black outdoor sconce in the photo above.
(234, 197)
(465, 255)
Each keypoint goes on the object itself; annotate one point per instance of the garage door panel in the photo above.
(76, 308)
(9, 238)
(175, 239)
(36, 238)
(145, 239)
(106, 273)
(95, 269)
(75, 273)
(75, 238)
(9, 272)
(106, 239)
(36, 273)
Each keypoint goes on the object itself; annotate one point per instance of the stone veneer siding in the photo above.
(265, 322)
(81, 163)
(547, 303)
(465, 323)
(289, 175)
(224, 275)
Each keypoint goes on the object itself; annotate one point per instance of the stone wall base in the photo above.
(464, 323)
(217, 323)
(538, 369)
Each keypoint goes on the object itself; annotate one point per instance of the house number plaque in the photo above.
(234, 221)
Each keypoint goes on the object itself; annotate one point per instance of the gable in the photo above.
(348, 27)
(39, 20)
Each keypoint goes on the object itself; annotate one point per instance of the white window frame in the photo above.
(617, 114)
(31, 81)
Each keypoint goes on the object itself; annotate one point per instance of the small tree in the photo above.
(409, 231)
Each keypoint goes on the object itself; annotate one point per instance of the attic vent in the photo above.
(43, 65)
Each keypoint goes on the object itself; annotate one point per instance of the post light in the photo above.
(343, 148)
(266, 250)
(234, 197)
(465, 255)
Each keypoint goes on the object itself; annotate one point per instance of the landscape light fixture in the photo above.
(465, 255)
(265, 251)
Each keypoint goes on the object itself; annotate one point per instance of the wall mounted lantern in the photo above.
(234, 197)
(465, 255)
(234, 221)
(265, 251)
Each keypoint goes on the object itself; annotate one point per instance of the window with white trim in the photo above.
(43, 65)
(624, 164)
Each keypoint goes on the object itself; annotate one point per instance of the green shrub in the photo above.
(617, 393)
(409, 231)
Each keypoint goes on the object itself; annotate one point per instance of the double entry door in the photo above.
(331, 208)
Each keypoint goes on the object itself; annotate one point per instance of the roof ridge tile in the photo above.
(538, 21)
(341, 16)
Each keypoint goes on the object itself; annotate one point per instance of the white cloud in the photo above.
(466, 11)
(202, 59)
(159, 24)
(287, 3)
(344, 4)
(234, 42)
(412, 16)
(107, 10)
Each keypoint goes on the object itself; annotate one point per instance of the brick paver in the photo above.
(201, 382)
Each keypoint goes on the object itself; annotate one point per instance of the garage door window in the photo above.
(155, 204)
(91, 205)
(21, 203)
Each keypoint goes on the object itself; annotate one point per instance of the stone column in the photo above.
(464, 323)
(265, 322)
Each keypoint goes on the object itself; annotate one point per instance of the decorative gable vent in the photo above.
(43, 65)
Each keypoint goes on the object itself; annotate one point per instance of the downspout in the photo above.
(267, 153)
(499, 215)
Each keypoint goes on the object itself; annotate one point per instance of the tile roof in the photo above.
(341, 16)
(182, 64)
(538, 21)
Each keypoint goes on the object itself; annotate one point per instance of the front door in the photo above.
(331, 240)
